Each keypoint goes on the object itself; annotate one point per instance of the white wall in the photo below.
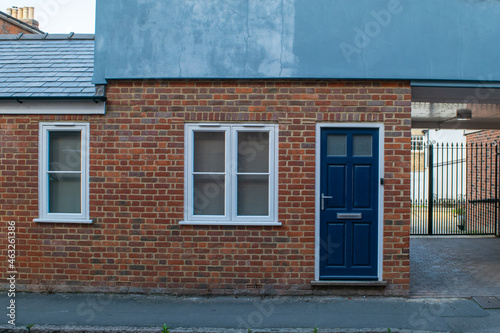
(449, 168)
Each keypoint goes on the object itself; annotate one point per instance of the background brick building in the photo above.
(19, 20)
(482, 179)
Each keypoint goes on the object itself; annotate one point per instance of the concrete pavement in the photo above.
(142, 313)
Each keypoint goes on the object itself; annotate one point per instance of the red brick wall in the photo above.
(486, 136)
(481, 182)
(9, 28)
(137, 185)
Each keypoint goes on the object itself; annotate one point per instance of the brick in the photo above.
(137, 189)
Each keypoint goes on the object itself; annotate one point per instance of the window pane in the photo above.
(417, 142)
(209, 151)
(65, 151)
(208, 195)
(337, 145)
(253, 152)
(253, 195)
(64, 193)
(362, 145)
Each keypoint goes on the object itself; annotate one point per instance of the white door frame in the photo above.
(380, 248)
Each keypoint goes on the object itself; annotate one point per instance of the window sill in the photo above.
(82, 221)
(249, 223)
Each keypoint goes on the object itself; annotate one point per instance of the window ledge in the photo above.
(82, 221)
(349, 283)
(249, 223)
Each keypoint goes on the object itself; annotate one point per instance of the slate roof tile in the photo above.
(66, 78)
(46, 66)
(72, 90)
(37, 90)
(51, 84)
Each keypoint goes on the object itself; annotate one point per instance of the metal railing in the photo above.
(454, 189)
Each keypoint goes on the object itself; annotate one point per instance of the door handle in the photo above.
(323, 197)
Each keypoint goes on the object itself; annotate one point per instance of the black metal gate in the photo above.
(454, 189)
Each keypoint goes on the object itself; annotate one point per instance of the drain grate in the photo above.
(487, 302)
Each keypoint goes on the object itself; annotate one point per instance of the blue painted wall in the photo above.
(365, 39)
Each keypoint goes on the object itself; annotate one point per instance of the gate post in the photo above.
(431, 189)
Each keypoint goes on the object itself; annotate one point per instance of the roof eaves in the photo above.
(66, 97)
(47, 36)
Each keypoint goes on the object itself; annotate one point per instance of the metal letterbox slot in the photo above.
(349, 216)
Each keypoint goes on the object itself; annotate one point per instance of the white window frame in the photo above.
(43, 164)
(417, 143)
(231, 152)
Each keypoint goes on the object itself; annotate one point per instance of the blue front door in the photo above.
(349, 203)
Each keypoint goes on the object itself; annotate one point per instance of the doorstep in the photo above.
(349, 283)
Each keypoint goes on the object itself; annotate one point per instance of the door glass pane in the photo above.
(64, 193)
(337, 145)
(253, 152)
(253, 195)
(65, 151)
(209, 151)
(208, 195)
(362, 145)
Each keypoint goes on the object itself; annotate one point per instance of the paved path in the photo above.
(237, 315)
(454, 266)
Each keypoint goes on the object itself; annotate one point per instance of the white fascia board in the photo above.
(52, 107)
